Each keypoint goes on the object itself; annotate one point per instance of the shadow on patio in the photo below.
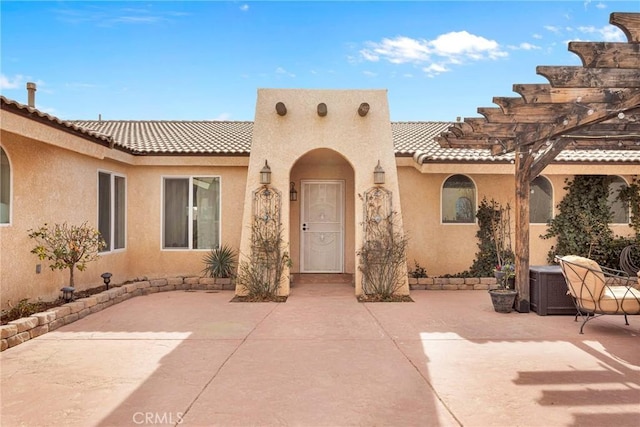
(194, 358)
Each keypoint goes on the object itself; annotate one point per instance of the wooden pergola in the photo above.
(593, 106)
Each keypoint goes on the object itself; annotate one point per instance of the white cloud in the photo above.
(284, 72)
(609, 33)
(12, 82)
(397, 51)
(222, 117)
(537, 36)
(552, 28)
(244, 7)
(449, 49)
(524, 46)
(369, 74)
(601, 6)
(435, 69)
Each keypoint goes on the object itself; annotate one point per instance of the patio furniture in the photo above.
(597, 291)
(548, 291)
(627, 263)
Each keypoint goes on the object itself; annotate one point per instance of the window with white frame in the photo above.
(458, 200)
(619, 209)
(5, 188)
(540, 201)
(112, 224)
(191, 212)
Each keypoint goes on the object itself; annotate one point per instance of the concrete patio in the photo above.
(323, 359)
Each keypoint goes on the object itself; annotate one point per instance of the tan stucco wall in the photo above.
(450, 248)
(52, 185)
(283, 140)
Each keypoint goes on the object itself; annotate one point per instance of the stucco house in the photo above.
(162, 193)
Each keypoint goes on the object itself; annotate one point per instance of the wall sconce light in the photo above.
(378, 174)
(265, 174)
(67, 293)
(293, 194)
(106, 277)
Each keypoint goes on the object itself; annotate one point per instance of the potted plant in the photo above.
(503, 296)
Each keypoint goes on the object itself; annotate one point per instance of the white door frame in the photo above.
(340, 228)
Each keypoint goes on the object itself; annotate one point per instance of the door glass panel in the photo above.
(322, 227)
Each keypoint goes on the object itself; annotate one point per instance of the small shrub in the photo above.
(220, 262)
(418, 271)
(383, 257)
(262, 274)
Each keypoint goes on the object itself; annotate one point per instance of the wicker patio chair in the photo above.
(597, 291)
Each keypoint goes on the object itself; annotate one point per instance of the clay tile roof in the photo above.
(418, 139)
(415, 139)
(68, 126)
(177, 137)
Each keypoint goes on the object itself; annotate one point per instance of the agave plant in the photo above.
(220, 262)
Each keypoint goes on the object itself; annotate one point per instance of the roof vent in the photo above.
(31, 94)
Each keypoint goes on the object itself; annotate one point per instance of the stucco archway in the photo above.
(323, 164)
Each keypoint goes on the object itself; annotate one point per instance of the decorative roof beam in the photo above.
(607, 55)
(544, 94)
(571, 76)
(629, 23)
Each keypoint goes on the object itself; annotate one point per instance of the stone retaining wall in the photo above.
(21, 330)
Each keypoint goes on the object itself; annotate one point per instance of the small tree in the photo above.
(67, 246)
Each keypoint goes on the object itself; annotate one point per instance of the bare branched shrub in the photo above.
(262, 273)
(383, 256)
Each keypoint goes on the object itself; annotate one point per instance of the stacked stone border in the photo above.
(18, 331)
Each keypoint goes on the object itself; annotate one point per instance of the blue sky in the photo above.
(205, 60)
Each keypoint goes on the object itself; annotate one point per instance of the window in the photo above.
(541, 201)
(112, 210)
(191, 213)
(458, 200)
(5, 188)
(619, 209)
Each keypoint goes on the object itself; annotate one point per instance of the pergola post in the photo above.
(523, 160)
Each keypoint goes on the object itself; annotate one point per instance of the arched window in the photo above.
(619, 210)
(5, 188)
(541, 201)
(458, 200)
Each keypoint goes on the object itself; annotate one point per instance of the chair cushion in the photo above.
(620, 300)
(585, 279)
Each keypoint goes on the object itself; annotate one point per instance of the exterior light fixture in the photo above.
(265, 174)
(378, 174)
(67, 293)
(293, 194)
(107, 278)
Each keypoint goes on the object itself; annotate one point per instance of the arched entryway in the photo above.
(322, 219)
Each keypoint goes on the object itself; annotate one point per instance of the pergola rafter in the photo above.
(593, 106)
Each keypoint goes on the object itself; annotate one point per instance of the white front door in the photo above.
(322, 227)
